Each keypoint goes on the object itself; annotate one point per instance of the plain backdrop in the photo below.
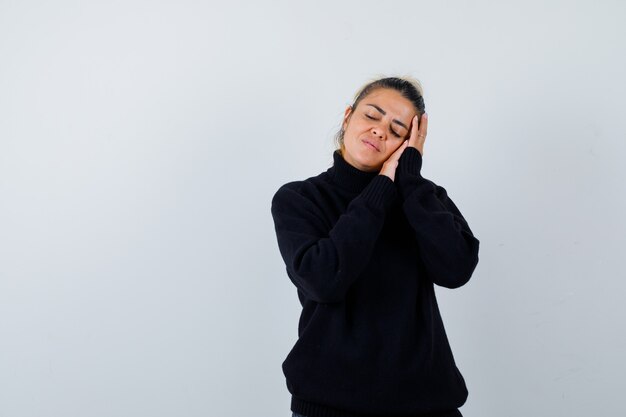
(141, 143)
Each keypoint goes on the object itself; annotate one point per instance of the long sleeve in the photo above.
(323, 263)
(445, 241)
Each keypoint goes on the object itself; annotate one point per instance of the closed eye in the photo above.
(392, 131)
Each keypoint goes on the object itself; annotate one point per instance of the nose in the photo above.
(377, 131)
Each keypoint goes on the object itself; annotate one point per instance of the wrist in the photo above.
(411, 161)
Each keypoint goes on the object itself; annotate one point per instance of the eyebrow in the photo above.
(384, 112)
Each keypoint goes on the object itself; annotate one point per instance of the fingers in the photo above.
(419, 129)
(414, 129)
(423, 126)
(418, 132)
(396, 154)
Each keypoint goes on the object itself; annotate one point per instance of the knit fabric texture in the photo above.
(364, 253)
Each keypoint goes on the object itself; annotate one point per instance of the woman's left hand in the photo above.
(418, 133)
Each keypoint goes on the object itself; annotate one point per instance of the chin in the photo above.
(371, 163)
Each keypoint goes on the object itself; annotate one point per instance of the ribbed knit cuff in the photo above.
(410, 161)
(380, 192)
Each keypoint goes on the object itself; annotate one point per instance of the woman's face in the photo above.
(382, 118)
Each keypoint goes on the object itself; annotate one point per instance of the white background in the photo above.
(141, 143)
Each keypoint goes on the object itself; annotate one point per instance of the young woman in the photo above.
(364, 243)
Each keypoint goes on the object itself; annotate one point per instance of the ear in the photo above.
(346, 116)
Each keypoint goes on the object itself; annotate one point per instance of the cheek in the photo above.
(358, 126)
(394, 148)
(355, 131)
(389, 152)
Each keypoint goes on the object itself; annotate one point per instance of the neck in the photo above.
(348, 176)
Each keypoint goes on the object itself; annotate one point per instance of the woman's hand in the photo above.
(418, 133)
(416, 139)
(390, 165)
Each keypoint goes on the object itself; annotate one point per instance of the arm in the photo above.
(447, 246)
(324, 263)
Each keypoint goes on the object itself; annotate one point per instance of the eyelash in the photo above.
(394, 133)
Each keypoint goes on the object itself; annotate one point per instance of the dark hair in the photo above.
(407, 86)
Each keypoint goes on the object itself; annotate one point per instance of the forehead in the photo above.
(391, 101)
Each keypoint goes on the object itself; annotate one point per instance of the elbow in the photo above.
(458, 273)
(454, 281)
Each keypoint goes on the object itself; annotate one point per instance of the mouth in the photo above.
(370, 145)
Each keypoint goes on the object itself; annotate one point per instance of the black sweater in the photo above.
(364, 252)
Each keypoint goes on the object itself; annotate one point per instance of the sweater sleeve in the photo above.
(323, 263)
(446, 244)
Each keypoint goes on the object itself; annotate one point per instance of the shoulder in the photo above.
(308, 187)
(301, 190)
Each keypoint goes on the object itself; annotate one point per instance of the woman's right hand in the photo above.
(390, 165)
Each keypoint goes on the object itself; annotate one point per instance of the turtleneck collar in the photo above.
(347, 176)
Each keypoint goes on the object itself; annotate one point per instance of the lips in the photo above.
(370, 144)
